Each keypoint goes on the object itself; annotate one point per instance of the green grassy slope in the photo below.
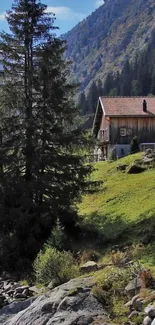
(124, 210)
(124, 206)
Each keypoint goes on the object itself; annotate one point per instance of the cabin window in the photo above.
(123, 132)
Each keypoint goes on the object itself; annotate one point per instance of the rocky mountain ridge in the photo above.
(116, 31)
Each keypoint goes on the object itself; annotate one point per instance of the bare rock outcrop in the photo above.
(70, 303)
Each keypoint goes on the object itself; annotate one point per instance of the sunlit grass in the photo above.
(123, 200)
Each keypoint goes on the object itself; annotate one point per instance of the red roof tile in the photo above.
(127, 106)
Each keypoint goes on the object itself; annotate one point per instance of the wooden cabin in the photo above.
(119, 119)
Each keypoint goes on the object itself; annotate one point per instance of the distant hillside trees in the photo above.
(137, 78)
(87, 103)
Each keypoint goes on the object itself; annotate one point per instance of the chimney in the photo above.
(144, 106)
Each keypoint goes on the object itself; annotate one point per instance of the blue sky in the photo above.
(68, 12)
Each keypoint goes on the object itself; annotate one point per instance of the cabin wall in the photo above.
(142, 127)
(104, 126)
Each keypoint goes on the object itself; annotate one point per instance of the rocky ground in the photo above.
(137, 305)
(68, 304)
(73, 303)
(140, 165)
(14, 296)
(11, 291)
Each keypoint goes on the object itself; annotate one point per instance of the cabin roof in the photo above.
(127, 106)
(123, 107)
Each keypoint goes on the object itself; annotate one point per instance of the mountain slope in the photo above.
(114, 32)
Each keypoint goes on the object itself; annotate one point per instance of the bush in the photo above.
(90, 255)
(117, 258)
(109, 289)
(57, 238)
(112, 154)
(134, 146)
(54, 266)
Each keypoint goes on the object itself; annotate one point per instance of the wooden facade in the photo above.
(142, 127)
(117, 125)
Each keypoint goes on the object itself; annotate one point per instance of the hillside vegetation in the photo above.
(116, 31)
(124, 206)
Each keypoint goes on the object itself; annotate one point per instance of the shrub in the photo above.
(102, 296)
(112, 154)
(138, 319)
(54, 266)
(57, 238)
(109, 289)
(146, 278)
(134, 146)
(120, 258)
(112, 281)
(117, 258)
(90, 255)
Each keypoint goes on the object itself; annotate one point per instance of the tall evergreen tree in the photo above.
(108, 84)
(92, 97)
(100, 87)
(41, 174)
(83, 103)
(125, 89)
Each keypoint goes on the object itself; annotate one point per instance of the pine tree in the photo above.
(41, 173)
(92, 97)
(100, 87)
(83, 104)
(117, 83)
(125, 89)
(108, 84)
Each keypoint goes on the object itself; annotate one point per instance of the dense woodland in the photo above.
(137, 78)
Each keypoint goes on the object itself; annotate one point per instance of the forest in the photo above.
(137, 78)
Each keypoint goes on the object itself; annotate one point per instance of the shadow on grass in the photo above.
(104, 230)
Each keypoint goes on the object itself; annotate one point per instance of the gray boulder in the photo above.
(13, 308)
(134, 299)
(35, 290)
(147, 320)
(148, 151)
(70, 303)
(150, 311)
(138, 304)
(133, 314)
(89, 266)
(133, 286)
(21, 289)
